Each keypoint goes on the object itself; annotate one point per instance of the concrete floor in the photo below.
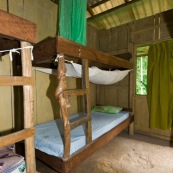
(45, 169)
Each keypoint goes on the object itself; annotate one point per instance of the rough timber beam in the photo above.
(13, 27)
(44, 51)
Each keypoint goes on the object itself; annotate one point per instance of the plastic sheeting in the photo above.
(96, 75)
(72, 20)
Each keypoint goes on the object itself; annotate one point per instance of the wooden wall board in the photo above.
(143, 24)
(115, 95)
(144, 37)
(104, 40)
(92, 37)
(122, 37)
(114, 39)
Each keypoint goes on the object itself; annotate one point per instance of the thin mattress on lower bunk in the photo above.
(49, 135)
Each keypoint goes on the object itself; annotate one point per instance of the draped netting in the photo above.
(96, 75)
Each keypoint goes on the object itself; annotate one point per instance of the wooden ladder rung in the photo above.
(76, 92)
(79, 122)
(16, 81)
(16, 137)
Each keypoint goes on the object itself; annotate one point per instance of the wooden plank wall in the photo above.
(150, 30)
(123, 39)
(114, 41)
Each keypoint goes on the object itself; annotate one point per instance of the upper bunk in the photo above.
(17, 34)
(45, 50)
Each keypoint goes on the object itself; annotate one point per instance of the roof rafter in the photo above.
(112, 9)
(98, 3)
(89, 9)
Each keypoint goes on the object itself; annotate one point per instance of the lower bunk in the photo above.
(49, 139)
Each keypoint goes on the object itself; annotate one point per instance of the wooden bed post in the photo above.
(64, 103)
(28, 108)
(87, 103)
(131, 101)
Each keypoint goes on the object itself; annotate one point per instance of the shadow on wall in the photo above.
(167, 17)
(51, 95)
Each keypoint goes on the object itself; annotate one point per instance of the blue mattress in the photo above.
(49, 140)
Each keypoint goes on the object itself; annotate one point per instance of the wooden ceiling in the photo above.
(105, 6)
(113, 5)
(106, 14)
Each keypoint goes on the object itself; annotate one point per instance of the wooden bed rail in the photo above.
(45, 50)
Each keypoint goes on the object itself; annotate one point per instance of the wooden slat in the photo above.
(16, 137)
(66, 165)
(79, 122)
(16, 81)
(76, 92)
(60, 45)
(14, 27)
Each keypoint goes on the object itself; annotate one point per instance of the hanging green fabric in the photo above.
(72, 20)
(160, 85)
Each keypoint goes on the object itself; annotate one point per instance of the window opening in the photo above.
(141, 69)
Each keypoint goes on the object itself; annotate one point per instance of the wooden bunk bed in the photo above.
(16, 33)
(43, 53)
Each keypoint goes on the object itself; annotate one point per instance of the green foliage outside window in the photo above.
(141, 70)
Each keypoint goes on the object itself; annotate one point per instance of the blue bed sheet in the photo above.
(49, 135)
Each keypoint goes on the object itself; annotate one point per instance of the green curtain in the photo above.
(72, 20)
(160, 85)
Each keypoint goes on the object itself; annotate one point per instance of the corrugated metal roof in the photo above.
(113, 13)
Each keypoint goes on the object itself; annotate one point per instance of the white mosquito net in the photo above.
(96, 75)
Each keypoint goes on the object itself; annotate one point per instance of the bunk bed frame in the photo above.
(43, 53)
(16, 32)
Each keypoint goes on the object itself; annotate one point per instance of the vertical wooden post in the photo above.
(87, 103)
(64, 103)
(28, 108)
(131, 100)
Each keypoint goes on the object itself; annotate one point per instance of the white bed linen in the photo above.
(49, 140)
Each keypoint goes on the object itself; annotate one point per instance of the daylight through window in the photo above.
(141, 69)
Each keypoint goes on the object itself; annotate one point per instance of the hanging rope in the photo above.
(16, 50)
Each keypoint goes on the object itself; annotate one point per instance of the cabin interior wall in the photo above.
(123, 39)
(115, 41)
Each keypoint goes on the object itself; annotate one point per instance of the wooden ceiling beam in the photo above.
(89, 9)
(112, 9)
(98, 3)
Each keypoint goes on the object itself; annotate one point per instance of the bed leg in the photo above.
(131, 128)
